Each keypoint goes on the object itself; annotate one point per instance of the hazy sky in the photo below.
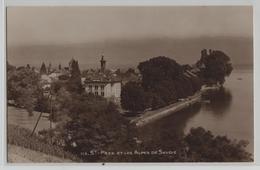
(76, 25)
(47, 25)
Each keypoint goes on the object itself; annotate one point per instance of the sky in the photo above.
(105, 29)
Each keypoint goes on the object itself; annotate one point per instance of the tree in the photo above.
(165, 79)
(89, 123)
(23, 87)
(199, 145)
(158, 69)
(157, 102)
(74, 83)
(205, 147)
(165, 91)
(196, 83)
(184, 87)
(217, 67)
(43, 69)
(133, 97)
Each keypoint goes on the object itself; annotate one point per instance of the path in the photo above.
(153, 115)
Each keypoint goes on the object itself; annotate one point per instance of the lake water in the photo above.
(229, 113)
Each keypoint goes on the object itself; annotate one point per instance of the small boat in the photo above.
(239, 78)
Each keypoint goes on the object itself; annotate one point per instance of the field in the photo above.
(17, 116)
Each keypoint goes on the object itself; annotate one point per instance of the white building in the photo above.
(108, 89)
(103, 85)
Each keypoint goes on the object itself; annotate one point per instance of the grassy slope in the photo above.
(18, 136)
(17, 154)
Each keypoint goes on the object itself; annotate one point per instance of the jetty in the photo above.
(153, 115)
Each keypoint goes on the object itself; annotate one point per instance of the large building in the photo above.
(103, 83)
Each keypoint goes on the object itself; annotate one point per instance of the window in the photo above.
(102, 94)
(102, 87)
(90, 88)
(96, 87)
(96, 93)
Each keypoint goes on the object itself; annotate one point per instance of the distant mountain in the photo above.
(128, 53)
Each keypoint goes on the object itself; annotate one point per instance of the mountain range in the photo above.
(122, 53)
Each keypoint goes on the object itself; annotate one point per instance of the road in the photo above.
(153, 115)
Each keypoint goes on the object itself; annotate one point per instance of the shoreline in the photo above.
(153, 115)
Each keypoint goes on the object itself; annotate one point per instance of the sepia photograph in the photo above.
(129, 84)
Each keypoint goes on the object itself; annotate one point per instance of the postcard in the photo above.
(129, 84)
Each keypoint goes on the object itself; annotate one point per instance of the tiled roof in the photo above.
(102, 78)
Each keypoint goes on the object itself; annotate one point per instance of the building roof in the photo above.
(45, 78)
(98, 77)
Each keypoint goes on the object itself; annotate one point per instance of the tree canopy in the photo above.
(23, 87)
(164, 81)
(74, 83)
(205, 147)
(217, 67)
(133, 97)
(158, 69)
(89, 123)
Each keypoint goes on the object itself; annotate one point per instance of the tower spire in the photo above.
(102, 63)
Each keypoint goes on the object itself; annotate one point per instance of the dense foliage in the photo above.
(133, 97)
(88, 123)
(74, 83)
(198, 145)
(158, 69)
(167, 79)
(217, 66)
(205, 147)
(23, 87)
(164, 81)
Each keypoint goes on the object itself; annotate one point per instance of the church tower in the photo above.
(103, 64)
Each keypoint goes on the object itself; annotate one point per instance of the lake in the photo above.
(229, 113)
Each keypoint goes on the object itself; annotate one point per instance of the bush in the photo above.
(205, 147)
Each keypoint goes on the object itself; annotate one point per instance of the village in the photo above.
(108, 84)
(103, 98)
(102, 82)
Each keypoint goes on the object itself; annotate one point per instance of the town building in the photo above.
(103, 83)
(49, 75)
